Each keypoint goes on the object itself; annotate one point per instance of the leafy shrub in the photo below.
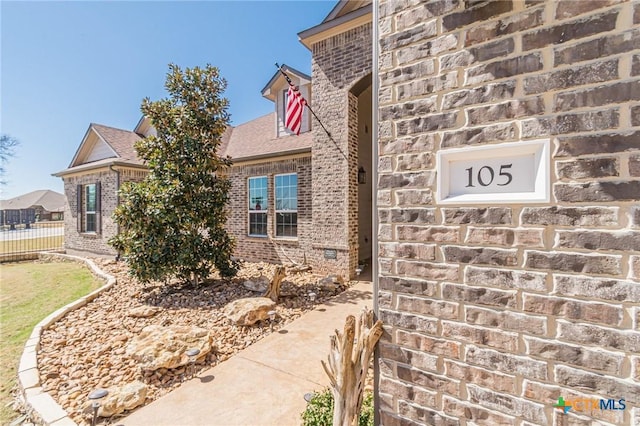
(319, 411)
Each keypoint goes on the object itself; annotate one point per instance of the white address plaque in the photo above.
(516, 172)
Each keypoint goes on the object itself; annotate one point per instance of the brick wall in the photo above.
(492, 312)
(264, 249)
(95, 242)
(338, 63)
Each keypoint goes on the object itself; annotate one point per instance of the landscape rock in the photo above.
(143, 311)
(123, 398)
(249, 311)
(331, 282)
(93, 339)
(165, 346)
(259, 284)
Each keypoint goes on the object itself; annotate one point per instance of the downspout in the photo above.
(374, 206)
(117, 172)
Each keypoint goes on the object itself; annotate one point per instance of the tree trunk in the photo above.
(273, 291)
(348, 363)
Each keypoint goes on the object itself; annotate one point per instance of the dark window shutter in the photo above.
(79, 207)
(98, 208)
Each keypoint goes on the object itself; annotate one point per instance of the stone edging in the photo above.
(39, 403)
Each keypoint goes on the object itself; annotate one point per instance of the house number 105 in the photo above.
(486, 175)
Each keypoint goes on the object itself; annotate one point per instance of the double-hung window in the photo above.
(286, 206)
(258, 206)
(90, 208)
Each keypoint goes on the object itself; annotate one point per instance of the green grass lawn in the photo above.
(28, 293)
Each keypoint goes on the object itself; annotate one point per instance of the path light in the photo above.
(272, 318)
(95, 396)
(358, 271)
(312, 297)
(193, 355)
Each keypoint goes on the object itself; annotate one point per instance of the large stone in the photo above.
(123, 398)
(331, 282)
(164, 347)
(249, 311)
(259, 284)
(143, 311)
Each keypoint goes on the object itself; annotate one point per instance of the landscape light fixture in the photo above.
(193, 355)
(312, 297)
(272, 318)
(358, 271)
(95, 396)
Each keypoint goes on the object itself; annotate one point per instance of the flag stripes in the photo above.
(295, 107)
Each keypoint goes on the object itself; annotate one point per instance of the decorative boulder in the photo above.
(123, 398)
(259, 285)
(249, 311)
(331, 282)
(143, 311)
(165, 346)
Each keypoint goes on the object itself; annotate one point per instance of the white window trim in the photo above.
(276, 211)
(264, 209)
(87, 212)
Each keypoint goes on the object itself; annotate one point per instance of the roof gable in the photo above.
(345, 15)
(278, 81)
(343, 7)
(103, 142)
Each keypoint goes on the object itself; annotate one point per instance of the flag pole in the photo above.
(306, 102)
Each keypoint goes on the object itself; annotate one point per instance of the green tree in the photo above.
(172, 223)
(7, 150)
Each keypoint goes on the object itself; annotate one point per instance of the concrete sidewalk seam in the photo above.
(279, 370)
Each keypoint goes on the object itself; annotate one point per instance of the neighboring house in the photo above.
(105, 159)
(35, 206)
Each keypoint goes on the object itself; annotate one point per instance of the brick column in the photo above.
(337, 64)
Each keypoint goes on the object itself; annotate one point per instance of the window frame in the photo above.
(282, 211)
(87, 212)
(264, 207)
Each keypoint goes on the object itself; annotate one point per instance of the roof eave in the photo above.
(338, 25)
(92, 166)
(271, 155)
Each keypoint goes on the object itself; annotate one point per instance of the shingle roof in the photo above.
(121, 141)
(256, 138)
(50, 200)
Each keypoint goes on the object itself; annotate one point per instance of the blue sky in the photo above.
(67, 64)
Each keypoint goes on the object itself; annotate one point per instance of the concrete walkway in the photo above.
(265, 383)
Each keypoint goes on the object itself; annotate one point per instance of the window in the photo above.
(90, 208)
(258, 206)
(286, 188)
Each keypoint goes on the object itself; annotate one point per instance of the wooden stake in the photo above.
(273, 291)
(348, 363)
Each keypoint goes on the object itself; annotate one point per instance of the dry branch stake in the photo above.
(349, 361)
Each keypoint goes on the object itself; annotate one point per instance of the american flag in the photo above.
(295, 106)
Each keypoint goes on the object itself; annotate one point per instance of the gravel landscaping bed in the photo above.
(87, 349)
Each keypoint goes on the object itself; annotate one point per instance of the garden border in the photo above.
(38, 402)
